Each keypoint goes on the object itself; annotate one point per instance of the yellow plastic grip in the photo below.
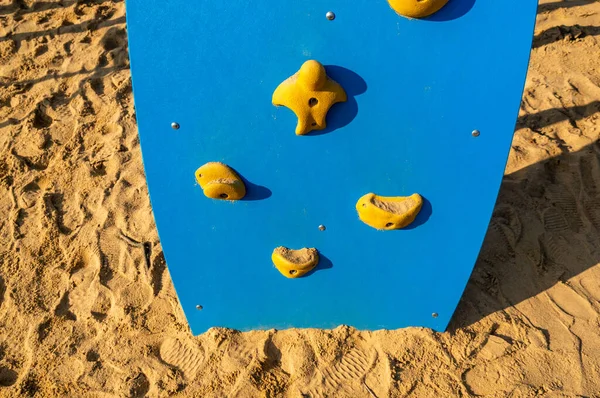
(309, 94)
(295, 263)
(388, 213)
(417, 8)
(219, 181)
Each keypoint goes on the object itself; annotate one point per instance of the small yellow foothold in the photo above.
(295, 263)
(310, 94)
(219, 181)
(388, 213)
(417, 8)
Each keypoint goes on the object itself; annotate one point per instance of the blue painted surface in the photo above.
(417, 88)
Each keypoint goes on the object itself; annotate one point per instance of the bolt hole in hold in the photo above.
(312, 102)
(293, 272)
(389, 224)
(223, 196)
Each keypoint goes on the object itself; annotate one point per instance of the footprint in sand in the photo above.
(589, 168)
(589, 281)
(566, 204)
(553, 249)
(571, 302)
(344, 374)
(186, 356)
(492, 378)
(554, 220)
(15, 359)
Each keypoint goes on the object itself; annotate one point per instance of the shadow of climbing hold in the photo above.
(423, 216)
(324, 264)
(388, 213)
(219, 181)
(309, 93)
(254, 191)
(453, 10)
(343, 113)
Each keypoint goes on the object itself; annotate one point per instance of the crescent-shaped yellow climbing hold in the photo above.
(309, 94)
(417, 8)
(219, 181)
(295, 263)
(388, 213)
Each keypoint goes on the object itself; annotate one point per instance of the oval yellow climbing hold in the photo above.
(295, 263)
(417, 8)
(388, 213)
(219, 181)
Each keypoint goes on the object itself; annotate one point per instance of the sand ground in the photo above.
(87, 307)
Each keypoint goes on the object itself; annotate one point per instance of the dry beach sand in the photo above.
(87, 308)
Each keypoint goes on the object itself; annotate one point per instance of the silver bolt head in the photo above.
(330, 15)
(322, 227)
(175, 126)
(475, 133)
(435, 315)
(199, 307)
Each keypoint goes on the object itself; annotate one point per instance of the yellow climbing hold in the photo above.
(294, 263)
(219, 181)
(310, 94)
(388, 213)
(417, 8)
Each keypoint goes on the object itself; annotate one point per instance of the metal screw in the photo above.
(199, 307)
(175, 126)
(435, 315)
(330, 15)
(475, 133)
(322, 227)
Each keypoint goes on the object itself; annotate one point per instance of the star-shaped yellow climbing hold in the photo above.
(310, 93)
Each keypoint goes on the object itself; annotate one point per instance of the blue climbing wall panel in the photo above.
(416, 91)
